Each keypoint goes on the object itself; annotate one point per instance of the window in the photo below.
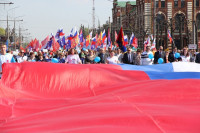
(197, 3)
(162, 3)
(175, 3)
(198, 21)
(179, 22)
(182, 3)
(157, 4)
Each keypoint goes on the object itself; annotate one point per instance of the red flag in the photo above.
(135, 42)
(55, 45)
(37, 46)
(120, 38)
(44, 42)
(21, 48)
(30, 44)
(88, 41)
(34, 44)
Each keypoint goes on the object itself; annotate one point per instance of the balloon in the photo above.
(84, 49)
(79, 51)
(97, 59)
(160, 60)
(177, 55)
(54, 60)
(151, 56)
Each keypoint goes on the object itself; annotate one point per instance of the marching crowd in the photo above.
(102, 56)
(86, 56)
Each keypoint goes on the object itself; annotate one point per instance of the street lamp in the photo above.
(15, 30)
(8, 25)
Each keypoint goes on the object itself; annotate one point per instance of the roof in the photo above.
(123, 3)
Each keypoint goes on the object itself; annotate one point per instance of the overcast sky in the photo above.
(43, 17)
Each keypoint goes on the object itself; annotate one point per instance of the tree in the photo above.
(2, 32)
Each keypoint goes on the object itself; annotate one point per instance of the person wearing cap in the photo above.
(21, 57)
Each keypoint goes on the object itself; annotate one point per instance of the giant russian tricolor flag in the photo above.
(63, 98)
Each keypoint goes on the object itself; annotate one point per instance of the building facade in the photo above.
(157, 17)
(123, 15)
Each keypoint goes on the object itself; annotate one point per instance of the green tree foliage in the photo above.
(2, 32)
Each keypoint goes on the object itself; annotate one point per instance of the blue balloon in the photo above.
(54, 60)
(151, 56)
(160, 60)
(177, 55)
(84, 49)
(97, 59)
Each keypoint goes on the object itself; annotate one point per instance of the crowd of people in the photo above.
(110, 56)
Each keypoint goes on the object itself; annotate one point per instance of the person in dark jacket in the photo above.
(128, 57)
(171, 57)
(159, 54)
(102, 56)
(197, 60)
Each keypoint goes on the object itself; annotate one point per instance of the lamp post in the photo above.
(15, 29)
(8, 35)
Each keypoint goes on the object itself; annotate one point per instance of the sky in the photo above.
(43, 17)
